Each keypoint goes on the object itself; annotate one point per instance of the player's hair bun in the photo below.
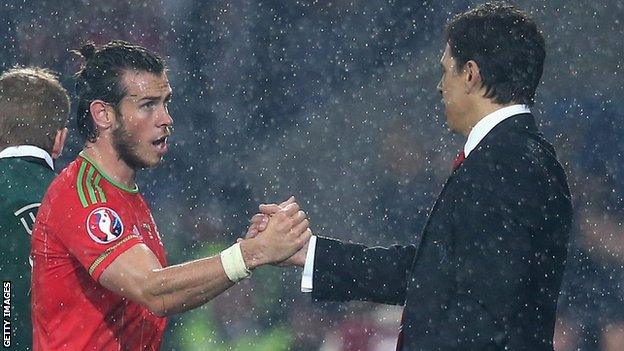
(87, 51)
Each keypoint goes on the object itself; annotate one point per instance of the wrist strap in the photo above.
(233, 263)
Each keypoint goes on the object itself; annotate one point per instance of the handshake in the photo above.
(278, 235)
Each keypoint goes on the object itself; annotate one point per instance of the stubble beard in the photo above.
(126, 147)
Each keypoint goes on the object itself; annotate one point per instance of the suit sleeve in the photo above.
(344, 271)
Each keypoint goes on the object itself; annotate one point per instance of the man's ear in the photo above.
(103, 114)
(472, 82)
(59, 143)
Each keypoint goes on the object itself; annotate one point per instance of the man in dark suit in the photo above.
(487, 271)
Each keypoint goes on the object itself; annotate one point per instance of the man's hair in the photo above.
(33, 107)
(506, 45)
(100, 78)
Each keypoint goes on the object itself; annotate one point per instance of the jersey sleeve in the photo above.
(98, 234)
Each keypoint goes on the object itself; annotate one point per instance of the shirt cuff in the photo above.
(308, 268)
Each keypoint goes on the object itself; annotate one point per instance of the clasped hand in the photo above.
(272, 220)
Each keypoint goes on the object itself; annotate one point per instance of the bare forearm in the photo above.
(138, 275)
(185, 286)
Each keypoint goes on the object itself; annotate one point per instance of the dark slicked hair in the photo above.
(100, 77)
(507, 46)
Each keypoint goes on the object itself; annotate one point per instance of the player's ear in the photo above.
(59, 142)
(102, 113)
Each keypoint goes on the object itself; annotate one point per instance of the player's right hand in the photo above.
(259, 221)
(287, 231)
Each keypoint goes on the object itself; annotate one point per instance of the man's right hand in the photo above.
(286, 233)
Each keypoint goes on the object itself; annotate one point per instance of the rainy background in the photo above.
(335, 102)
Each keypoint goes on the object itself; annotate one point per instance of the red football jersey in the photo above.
(85, 221)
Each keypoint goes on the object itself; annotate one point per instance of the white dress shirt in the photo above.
(478, 132)
(27, 151)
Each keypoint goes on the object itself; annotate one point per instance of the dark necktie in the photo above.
(459, 160)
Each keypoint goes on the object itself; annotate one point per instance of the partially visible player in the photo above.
(100, 278)
(34, 109)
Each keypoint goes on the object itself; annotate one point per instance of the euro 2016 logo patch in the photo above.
(104, 225)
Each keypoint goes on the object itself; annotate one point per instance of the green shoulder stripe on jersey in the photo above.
(107, 252)
(96, 182)
(109, 179)
(90, 186)
(87, 183)
(81, 194)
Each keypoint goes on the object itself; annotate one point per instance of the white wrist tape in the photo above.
(233, 263)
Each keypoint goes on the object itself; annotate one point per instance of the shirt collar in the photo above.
(25, 151)
(487, 123)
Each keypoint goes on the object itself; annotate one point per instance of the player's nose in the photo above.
(165, 119)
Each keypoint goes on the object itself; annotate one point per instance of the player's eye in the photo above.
(149, 104)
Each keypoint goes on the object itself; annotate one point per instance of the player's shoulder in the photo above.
(83, 184)
(65, 183)
(18, 173)
(73, 194)
(23, 182)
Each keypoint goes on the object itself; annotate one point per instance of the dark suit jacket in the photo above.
(487, 271)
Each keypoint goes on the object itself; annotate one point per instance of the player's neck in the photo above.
(109, 162)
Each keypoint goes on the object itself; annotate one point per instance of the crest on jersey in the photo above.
(104, 225)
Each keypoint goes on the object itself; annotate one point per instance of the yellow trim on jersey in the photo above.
(107, 252)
